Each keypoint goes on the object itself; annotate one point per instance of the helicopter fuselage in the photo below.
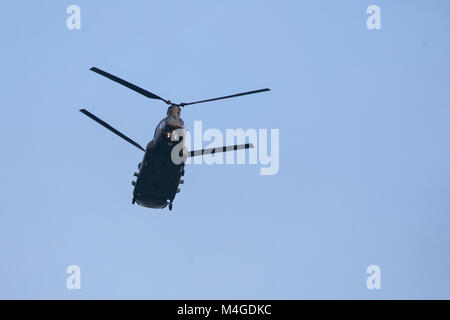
(159, 177)
(159, 174)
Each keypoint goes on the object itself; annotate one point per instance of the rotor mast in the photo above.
(174, 111)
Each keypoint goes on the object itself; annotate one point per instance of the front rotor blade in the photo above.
(128, 84)
(107, 126)
(226, 97)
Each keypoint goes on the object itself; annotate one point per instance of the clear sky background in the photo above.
(364, 150)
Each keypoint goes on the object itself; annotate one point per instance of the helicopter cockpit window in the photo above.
(175, 120)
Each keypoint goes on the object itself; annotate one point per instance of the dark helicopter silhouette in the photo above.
(159, 176)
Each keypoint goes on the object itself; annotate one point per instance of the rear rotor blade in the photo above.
(128, 84)
(107, 126)
(219, 149)
(225, 97)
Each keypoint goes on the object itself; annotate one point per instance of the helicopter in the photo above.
(158, 177)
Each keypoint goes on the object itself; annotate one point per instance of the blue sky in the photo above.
(364, 155)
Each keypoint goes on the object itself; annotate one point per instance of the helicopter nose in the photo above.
(174, 123)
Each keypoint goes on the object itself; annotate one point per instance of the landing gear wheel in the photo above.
(133, 201)
(170, 207)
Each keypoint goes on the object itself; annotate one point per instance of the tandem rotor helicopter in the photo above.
(158, 178)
